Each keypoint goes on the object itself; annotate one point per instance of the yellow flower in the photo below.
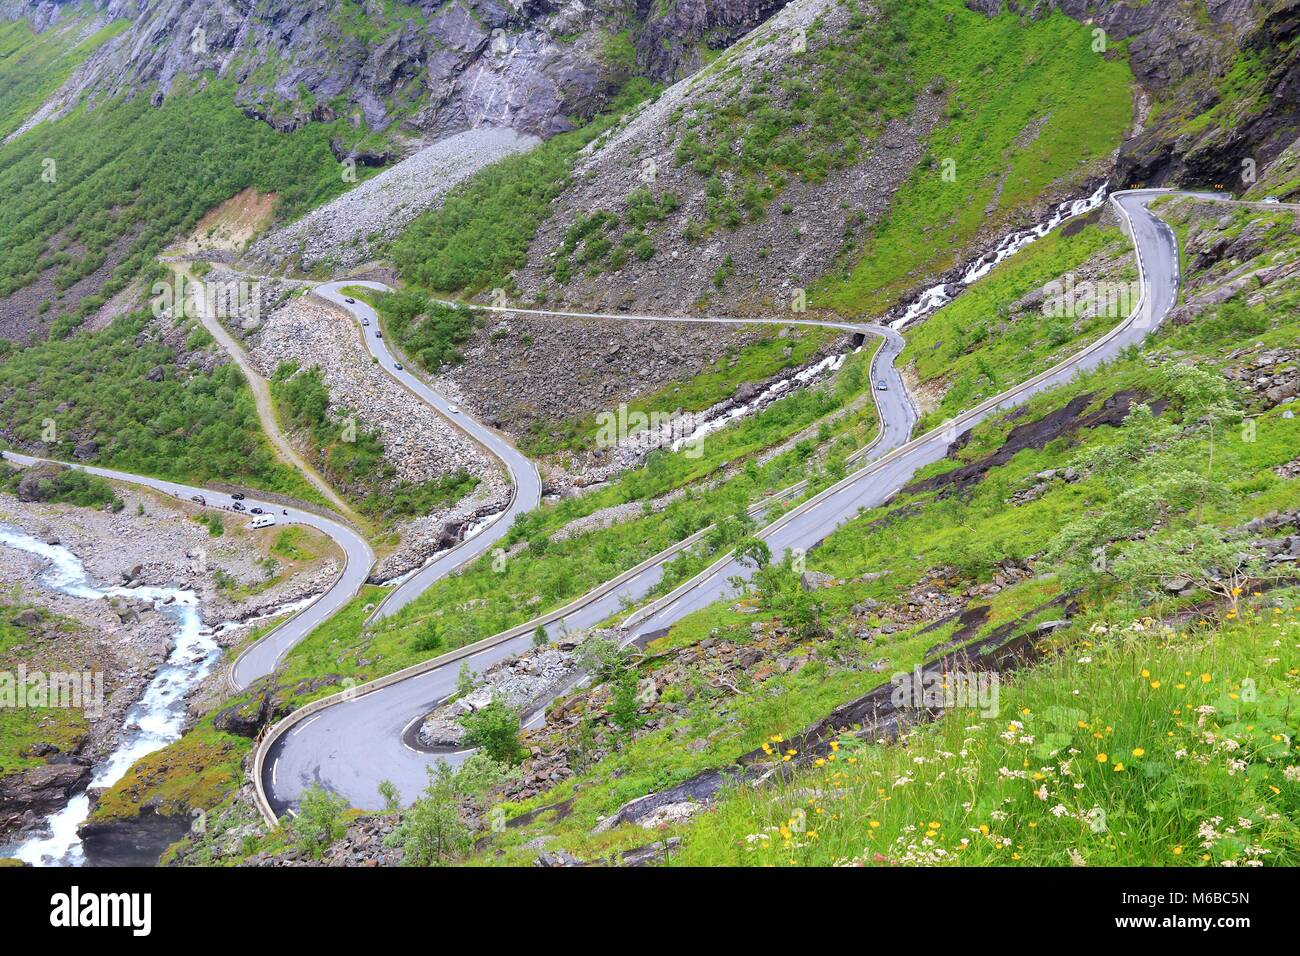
(1024, 711)
(935, 825)
(874, 824)
(1155, 685)
(1145, 672)
(1206, 678)
(1102, 758)
(984, 829)
(1138, 751)
(1119, 768)
(1178, 851)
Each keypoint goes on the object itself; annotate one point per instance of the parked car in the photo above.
(262, 521)
(238, 495)
(237, 506)
(198, 499)
(256, 511)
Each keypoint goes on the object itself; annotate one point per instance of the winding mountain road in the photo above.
(351, 742)
(261, 657)
(320, 744)
(525, 481)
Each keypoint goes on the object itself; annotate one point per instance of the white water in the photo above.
(937, 297)
(471, 530)
(152, 723)
(774, 391)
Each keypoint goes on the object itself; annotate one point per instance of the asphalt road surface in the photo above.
(261, 658)
(350, 746)
(522, 472)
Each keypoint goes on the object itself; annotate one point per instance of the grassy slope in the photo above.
(188, 425)
(970, 346)
(1118, 752)
(1001, 76)
(33, 66)
(971, 534)
(20, 727)
(129, 178)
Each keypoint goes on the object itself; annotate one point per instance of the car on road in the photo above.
(397, 365)
(365, 321)
(349, 300)
(379, 334)
(256, 511)
(262, 521)
(454, 409)
(237, 495)
(1272, 200)
(198, 499)
(881, 387)
(237, 506)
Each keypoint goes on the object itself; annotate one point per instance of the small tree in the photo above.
(540, 637)
(391, 797)
(319, 820)
(434, 831)
(1203, 557)
(753, 552)
(495, 729)
(466, 680)
(624, 702)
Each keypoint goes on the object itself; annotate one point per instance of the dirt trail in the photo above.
(261, 390)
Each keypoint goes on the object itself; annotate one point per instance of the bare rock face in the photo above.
(432, 66)
(1180, 50)
(28, 796)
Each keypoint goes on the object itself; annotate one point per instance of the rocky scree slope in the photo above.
(426, 65)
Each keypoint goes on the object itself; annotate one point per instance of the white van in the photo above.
(262, 521)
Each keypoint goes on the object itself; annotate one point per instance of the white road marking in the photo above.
(303, 726)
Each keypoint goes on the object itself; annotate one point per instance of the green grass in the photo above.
(33, 66)
(128, 178)
(483, 228)
(69, 486)
(21, 727)
(1000, 75)
(977, 349)
(193, 773)
(189, 425)
(1106, 755)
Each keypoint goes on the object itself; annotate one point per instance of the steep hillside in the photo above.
(852, 150)
(430, 66)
